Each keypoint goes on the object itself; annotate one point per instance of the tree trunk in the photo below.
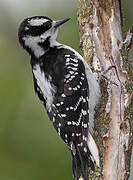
(103, 45)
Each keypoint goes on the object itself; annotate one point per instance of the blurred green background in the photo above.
(30, 149)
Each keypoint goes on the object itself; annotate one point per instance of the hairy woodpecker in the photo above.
(67, 88)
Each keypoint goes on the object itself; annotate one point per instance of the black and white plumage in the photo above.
(67, 88)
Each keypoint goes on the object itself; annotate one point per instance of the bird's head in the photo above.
(36, 34)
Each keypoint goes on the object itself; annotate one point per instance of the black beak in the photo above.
(60, 22)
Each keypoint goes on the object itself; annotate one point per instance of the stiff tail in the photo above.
(93, 148)
(80, 163)
(83, 158)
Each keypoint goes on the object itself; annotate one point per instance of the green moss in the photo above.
(97, 175)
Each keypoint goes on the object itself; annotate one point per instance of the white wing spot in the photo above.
(74, 60)
(73, 134)
(69, 123)
(84, 112)
(63, 95)
(67, 55)
(82, 78)
(53, 119)
(84, 100)
(85, 149)
(85, 138)
(76, 73)
(66, 140)
(72, 77)
(63, 115)
(67, 60)
(66, 135)
(71, 72)
(85, 125)
(75, 89)
(78, 134)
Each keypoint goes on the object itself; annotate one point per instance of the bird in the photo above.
(67, 88)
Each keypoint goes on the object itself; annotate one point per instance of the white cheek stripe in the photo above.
(32, 42)
(46, 87)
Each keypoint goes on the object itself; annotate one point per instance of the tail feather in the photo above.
(93, 149)
(75, 167)
(84, 168)
(80, 163)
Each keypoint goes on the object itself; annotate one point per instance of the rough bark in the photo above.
(103, 45)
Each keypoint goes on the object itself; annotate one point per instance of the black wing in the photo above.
(70, 106)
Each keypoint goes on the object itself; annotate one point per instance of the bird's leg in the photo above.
(103, 72)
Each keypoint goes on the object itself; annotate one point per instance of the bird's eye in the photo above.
(47, 25)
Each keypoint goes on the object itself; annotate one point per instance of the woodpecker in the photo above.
(67, 88)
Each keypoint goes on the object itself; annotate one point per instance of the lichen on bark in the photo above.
(84, 14)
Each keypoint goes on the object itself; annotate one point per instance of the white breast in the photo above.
(45, 86)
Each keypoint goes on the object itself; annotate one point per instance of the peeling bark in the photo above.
(102, 43)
